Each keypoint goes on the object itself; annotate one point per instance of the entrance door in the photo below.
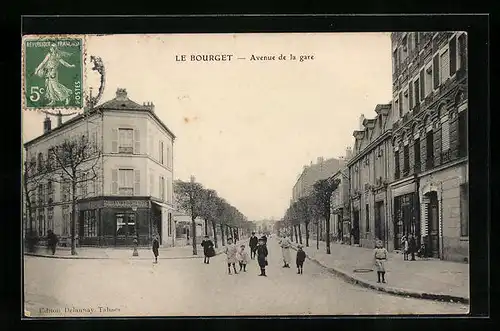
(355, 227)
(379, 221)
(433, 224)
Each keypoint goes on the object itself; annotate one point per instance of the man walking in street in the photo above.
(52, 241)
(156, 247)
(253, 245)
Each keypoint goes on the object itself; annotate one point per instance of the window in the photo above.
(367, 207)
(126, 141)
(125, 224)
(430, 150)
(416, 152)
(395, 62)
(428, 81)
(89, 223)
(401, 102)
(40, 162)
(453, 55)
(396, 106)
(404, 48)
(422, 84)
(462, 133)
(126, 182)
(161, 152)
(406, 160)
(444, 66)
(405, 102)
(416, 95)
(462, 51)
(162, 188)
(396, 164)
(435, 70)
(445, 141)
(464, 210)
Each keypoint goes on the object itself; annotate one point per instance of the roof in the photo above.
(120, 102)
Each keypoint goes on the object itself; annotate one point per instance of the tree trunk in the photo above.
(73, 218)
(328, 233)
(295, 231)
(300, 235)
(206, 228)
(307, 234)
(193, 235)
(317, 235)
(222, 234)
(214, 227)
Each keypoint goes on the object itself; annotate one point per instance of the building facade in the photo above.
(340, 216)
(132, 195)
(430, 187)
(370, 172)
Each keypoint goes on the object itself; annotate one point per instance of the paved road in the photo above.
(191, 288)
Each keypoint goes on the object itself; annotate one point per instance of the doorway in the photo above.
(433, 224)
(379, 221)
(355, 227)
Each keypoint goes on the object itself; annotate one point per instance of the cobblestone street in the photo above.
(188, 287)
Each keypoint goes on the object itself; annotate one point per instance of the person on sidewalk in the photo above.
(253, 245)
(285, 250)
(156, 248)
(262, 256)
(406, 247)
(413, 247)
(301, 257)
(208, 249)
(231, 252)
(380, 257)
(52, 241)
(243, 258)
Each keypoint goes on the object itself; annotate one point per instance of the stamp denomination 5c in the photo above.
(53, 72)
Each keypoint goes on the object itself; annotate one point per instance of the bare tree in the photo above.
(75, 162)
(322, 193)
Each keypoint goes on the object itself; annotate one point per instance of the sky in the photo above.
(246, 128)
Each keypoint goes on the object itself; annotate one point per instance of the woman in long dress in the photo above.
(285, 251)
(49, 68)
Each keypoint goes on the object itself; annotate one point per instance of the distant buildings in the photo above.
(132, 195)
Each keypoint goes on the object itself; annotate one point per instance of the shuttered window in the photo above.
(444, 66)
(125, 141)
(416, 86)
(126, 182)
(445, 135)
(137, 142)
(400, 104)
(410, 89)
(435, 70)
(137, 182)
(422, 84)
(453, 55)
(428, 80)
(462, 51)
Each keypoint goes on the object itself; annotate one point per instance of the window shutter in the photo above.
(114, 181)
(401, 103)
(137, 142)
(422, 85)
(435, 70)
(445, 66)
(445, 135)
(453, 55)
(410, 89)
(114, 141)
(137, 182)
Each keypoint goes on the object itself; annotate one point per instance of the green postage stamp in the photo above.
(53, 72)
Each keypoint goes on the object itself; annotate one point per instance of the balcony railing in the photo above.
(125, 150)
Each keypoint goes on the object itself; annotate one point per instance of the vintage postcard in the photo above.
(245, 174)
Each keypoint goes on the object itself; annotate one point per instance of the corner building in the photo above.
(133, 195)
(429, 140)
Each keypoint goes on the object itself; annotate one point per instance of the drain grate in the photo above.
(362, 270)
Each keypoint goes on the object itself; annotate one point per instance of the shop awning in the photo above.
(163, 205)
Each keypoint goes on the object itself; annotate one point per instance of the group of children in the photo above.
(235, 255)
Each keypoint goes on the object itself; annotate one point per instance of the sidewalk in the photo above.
(178, 252)
(423, 278)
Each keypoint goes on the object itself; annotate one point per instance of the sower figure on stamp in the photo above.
(208, 249)
(253, 245)
(231, 252)
(262, 256)
(380, 257)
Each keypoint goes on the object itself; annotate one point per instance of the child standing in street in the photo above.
(301, 257)
(380, 257)
(231, 252)
(262, 256)
(243, 258)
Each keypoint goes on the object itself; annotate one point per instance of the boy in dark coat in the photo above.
(208, 249)
(301, 257)
(253, 245)
(262, 256)
(156, 246)
(52, 241)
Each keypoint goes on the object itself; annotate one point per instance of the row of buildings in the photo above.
(408, 171)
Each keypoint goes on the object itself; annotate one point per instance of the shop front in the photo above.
(406, 219)
(115, 221)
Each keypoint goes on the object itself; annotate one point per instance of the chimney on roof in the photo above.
(121, 94)
(47, 125)
(361, 119)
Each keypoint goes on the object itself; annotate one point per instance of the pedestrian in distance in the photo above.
(380, 257)
(156, 248)
(301, 257)
(413, 247)
(52, 241)
(208, 249)
(253, 245)
(231, 252)
(285, 251)
(243, 258)
(262, 256)
(406, 247)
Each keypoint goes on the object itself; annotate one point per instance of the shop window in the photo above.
(89, 223)
(125, 224)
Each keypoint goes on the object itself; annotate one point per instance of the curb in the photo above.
(73, 257)
(391, 290)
